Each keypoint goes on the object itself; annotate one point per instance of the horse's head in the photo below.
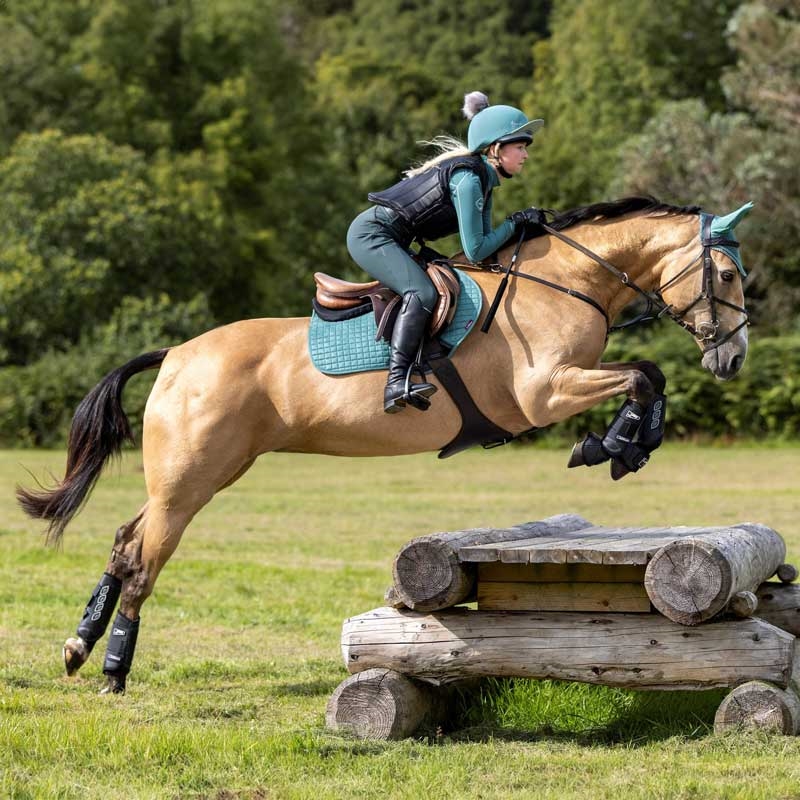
(706, 296)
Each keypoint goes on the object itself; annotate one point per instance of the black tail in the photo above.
(99, 429)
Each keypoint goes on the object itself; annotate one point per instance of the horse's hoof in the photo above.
(588, 452)
(115, 685)
(618, 470)
(75, 653)
(576, 457)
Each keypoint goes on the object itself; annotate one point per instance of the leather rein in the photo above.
(706, 333)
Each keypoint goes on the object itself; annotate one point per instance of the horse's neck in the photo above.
(639, 246)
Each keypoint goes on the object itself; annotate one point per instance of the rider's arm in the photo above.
(474, 223)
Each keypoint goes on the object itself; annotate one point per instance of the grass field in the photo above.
(239, 646)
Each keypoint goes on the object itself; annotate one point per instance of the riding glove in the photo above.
(528, 216)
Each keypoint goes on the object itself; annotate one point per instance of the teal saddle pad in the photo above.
(340, 348)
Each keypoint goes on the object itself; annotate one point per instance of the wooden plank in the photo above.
(559, 573)
(597, 544)
(644, 651)
(515, 596)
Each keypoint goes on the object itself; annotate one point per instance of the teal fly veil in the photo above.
(723, 227)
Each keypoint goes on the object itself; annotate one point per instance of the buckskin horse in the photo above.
(235, 392)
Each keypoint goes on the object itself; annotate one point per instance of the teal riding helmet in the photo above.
(500, 124)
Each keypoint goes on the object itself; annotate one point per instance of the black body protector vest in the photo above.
(423, 201)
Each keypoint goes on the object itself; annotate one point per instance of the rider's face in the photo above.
(511, 157)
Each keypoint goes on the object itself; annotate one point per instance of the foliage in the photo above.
(37, 400)
(721, 160)
(604, 71)
(223, 146)
(85, 223)
(210, 94)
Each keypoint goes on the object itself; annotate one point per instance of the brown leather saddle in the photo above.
(337, 297)
(336, 294)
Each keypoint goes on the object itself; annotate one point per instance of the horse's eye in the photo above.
(727, 275)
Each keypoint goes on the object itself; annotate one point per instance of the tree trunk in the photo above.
(759, 705)
(639, 651)
(692, 579)
(428, 574)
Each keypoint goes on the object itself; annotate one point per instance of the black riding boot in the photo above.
(409, 328)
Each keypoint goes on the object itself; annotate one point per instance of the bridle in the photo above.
(706, 333)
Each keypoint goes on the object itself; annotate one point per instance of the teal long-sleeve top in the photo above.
(474, 213)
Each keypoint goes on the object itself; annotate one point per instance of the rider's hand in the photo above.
(528, 216)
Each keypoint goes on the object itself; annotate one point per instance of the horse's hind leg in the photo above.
(102, 603)
(177, 490)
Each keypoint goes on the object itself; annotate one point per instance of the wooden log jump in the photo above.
(428, 574)
(562, 599)
(636, 651)
(691, 579)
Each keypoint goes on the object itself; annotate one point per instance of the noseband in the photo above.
(706, 333)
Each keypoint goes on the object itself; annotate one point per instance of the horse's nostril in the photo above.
(736, 363)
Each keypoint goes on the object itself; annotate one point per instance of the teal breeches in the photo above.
(378, 243)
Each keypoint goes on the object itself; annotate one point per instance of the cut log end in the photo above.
(758, 705)
(787, 573)
(380, 704)
(692, 579)
(428, 575)
(743, 604)
(687, 581)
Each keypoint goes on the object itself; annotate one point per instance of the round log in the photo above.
(693, 578)
(743, 604)
(759, 705)
(786, 573)
(779, 604)
(381, 704)
(634, 651)
(429, 576)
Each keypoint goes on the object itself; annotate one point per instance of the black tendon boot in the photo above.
(93, 624)
(119, 655)
(617, 442)
(651, 433)
(409, 328)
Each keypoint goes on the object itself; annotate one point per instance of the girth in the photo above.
(336, 294)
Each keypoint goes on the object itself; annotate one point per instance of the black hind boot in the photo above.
(409, 328)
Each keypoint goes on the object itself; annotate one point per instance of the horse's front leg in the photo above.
(638, 427)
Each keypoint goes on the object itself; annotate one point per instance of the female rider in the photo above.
(450, 192)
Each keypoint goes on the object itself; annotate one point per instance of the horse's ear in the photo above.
(727, 223)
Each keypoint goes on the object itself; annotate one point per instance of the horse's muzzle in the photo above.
(727, 359)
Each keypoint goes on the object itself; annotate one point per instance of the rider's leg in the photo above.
(377, 243)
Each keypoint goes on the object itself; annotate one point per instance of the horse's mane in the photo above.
(617, 208)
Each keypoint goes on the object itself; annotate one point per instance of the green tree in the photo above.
(605, 70)
(208, 91)
(689, 153)
(85, 223)
(392, 74)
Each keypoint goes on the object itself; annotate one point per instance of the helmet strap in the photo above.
(494, 160)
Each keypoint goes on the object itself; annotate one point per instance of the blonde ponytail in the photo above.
(448, 147)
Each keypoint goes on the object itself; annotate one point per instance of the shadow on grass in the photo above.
(527, 711)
